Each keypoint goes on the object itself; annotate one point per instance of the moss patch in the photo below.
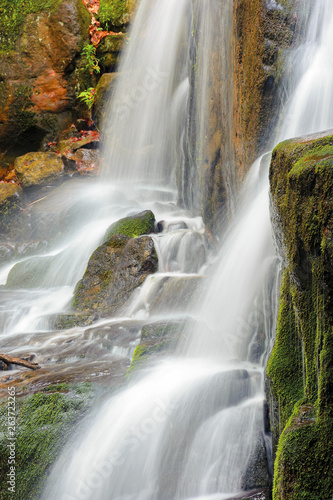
(44, 423)
(113, 13)
(13, 14)
(134, 226)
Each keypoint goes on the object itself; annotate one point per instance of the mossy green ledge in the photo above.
(300, 368)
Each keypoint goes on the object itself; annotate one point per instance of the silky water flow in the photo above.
(192, 426)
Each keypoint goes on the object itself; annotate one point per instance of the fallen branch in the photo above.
(18, 361)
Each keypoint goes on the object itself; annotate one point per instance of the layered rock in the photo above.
(301, 365)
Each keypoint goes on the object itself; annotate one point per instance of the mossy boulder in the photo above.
(159, 338)
(44, 424)
(133, 226)
(30, 273)
(108, 51)
(114, 271)
(301, 364)
(116, 13)
(35, 169)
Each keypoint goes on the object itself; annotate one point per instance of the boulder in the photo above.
(36, 169)
(114, 270)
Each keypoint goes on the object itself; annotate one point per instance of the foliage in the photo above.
(13, 14)
(89, 53)
(88, 97)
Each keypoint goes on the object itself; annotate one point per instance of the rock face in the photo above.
(114, 270)
(301, 364)
(35, 169)
(39, 66)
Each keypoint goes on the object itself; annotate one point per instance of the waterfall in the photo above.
(192, 426)
(310, 104)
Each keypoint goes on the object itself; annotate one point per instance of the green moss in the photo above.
(13, 14)
(285, 366)
(305, 450)
(134, 226)
(112, 12)
(44, 423)
(20, 115)
(301, 178)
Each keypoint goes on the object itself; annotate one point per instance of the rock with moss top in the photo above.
(133, 226)
(114, 271)
(36, 169)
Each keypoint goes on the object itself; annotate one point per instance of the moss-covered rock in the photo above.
(35, 169)
(30, 273)
(301, 364)
(116, 13)
(114, 270)
(44, 423)
(133, 226)
(9, 198)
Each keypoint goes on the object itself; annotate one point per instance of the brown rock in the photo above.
(114, 270)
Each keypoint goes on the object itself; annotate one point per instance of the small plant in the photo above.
(89, 52)
(88, 97)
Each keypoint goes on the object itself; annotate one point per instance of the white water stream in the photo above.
(191, 426)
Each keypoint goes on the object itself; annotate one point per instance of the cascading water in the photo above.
(163, 437)
(190, 427)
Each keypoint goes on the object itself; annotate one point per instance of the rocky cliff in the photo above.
(300, 368)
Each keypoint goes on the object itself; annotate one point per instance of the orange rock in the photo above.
(50, 92)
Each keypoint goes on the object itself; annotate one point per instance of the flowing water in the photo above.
(192, 426)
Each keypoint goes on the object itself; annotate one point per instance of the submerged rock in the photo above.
(35, 169)
(114, 270)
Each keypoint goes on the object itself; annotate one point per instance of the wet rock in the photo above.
(30, 273)
(109, 49)
(14, 250)
(10, 197)
(70, 320)
(36, 169)
(114, 270)
(133, 226)
(257, 474)
(103, 93)
(156, 339)
(177, 294)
